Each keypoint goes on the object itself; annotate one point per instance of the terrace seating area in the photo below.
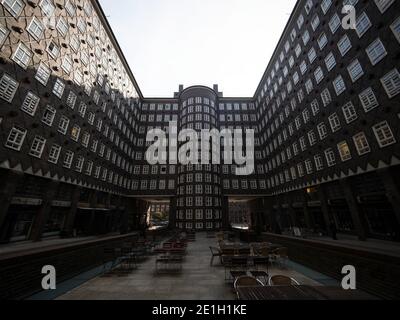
(122, 260)
(172, 252)
(230, 270)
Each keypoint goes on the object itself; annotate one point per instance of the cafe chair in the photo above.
(280, 280)
(215, 252)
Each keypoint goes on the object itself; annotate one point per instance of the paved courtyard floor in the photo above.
(197, 281)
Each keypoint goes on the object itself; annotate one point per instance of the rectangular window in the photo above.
(361, 143)
(37, 147)
(16, 138)
(53, 50)
(36, 29)
(355, 70)
(22, 56)
(62, 26)
(349, 112)
(47, 7)
(67, 64)
(315, 22)
(30, 104)
(384, 134)
(322, 41)
(323, 132)
(326, 97)
(71, 100)
(325, 5)
(43, 74)
(334, 122)
(330, 157)
(330, 61)
(368, 100)
(334, 23)
(376, 51)
(344, 151)
(14, 7)
(49, 115)
(319, 165)
(8, 88)
(54, 153)
(344, 45)
(383, 5)
(395, 28)
(3, 34)
(339, 85)
(58, 88)
(319, 75)
(391, 83)
(69, 156)
(75, 132)
(363, 24)
(63, 125)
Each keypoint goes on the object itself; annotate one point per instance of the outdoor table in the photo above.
(300, 293)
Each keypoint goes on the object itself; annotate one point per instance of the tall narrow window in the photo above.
(344, 45)
(43, 74)
(361, 143)
(3, 34)
(355, 70)
(349, 112)
(14, 7)
(391, 83)
(37, 147)
(22, 56)
(16, 138)
(344, 151)
(49, 115)
(384, 134)
(383, 5)
(36, 29)
(339, 85)
(396, 28)
(8, 88)
(376, 51)
(368, 100)
(363, 24)
(54, 153)
(30, 104)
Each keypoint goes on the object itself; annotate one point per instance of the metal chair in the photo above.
(257, 273)
(215, 252)
(246, 281)
(280, 280)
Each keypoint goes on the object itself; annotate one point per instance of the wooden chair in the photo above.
(280, 280)
(215, 252)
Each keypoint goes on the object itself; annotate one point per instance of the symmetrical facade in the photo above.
(74, 125)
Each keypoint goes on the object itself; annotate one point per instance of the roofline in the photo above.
(113, 38)
(104, 19)
(285, 30)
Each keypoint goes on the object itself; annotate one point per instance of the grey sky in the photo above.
(172, 42)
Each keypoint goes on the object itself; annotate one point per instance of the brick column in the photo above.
(354, 208)
(43, 215)
(70, 218)
(325, 207)
(307, 216)
(392, 191)
(11, 180)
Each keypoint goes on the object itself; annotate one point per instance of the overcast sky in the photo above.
(190, 42)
